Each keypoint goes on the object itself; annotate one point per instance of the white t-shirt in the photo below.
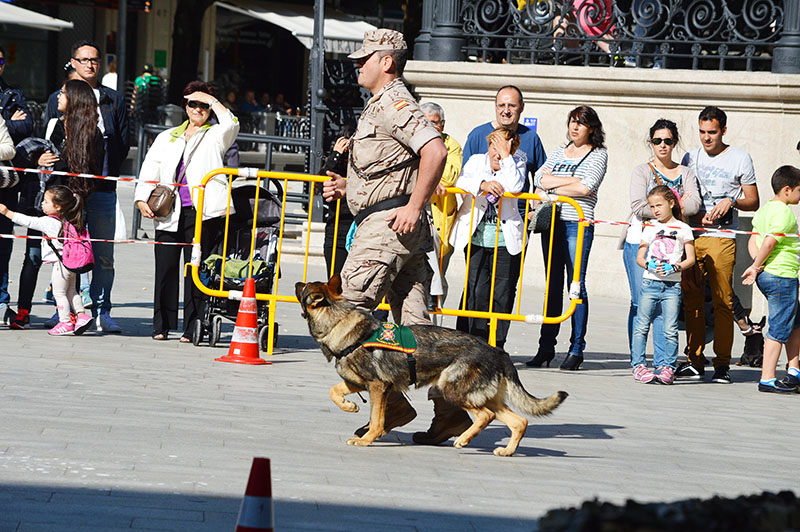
(100, 123)
(665, 242)
(720, 177)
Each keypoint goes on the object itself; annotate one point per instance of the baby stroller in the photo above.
(265, 255)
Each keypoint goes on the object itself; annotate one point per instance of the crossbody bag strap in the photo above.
(188, 160)
(655, 174)
(402, 164)
(581, 161)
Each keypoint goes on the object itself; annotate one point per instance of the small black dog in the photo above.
(753, 354)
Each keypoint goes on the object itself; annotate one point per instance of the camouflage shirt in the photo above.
(391, 130)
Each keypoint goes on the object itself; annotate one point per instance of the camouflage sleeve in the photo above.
(406, 123)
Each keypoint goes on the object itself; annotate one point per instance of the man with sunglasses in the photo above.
(14, 110)
(85, 58)
(396, 158)
(727, 182)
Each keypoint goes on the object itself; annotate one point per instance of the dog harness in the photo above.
(393, 337)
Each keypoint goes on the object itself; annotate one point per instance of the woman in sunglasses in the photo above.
(179, 158)
(660, 170)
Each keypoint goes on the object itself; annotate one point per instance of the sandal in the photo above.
(185, 340)
(159, 336)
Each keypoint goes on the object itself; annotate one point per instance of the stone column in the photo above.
(786, 56)
(447, 39)
(422, 44)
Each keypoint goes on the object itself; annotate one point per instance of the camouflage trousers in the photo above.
(382, 263)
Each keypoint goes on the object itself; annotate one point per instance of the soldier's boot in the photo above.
(398, 412)
(448, 421)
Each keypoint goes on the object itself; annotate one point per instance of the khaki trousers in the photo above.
(715, 260)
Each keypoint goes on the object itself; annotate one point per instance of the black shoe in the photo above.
(791, 380)
(778, 387)
(687, 371)
(571, 363)
(539, 359)
(722, 375)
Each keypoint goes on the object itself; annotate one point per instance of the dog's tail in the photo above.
(527, 403)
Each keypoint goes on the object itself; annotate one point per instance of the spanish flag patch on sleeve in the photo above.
(399, 105)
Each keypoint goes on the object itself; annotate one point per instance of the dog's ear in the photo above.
(762, 322)
(314, 299)
(335, 284)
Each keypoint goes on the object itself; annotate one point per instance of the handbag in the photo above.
(8, 178)
(543, 216)
(162, 198)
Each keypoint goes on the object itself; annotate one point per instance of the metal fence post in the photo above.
(447, 39)
(786, 57)
(422, 49)
(317, 60)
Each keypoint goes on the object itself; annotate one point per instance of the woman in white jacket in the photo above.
(185, 154)
(491, 173)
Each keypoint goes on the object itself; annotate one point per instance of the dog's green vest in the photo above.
(394, 337)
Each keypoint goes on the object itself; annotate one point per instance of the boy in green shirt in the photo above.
(774, 270)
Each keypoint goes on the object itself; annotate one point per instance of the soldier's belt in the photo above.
(385, 205)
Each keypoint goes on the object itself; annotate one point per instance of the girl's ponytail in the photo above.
(70, 204)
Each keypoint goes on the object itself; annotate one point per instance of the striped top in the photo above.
(591, 173)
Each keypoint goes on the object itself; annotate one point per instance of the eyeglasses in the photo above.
(656, 141)
(194, 103)
(83, 60)
(2, 61)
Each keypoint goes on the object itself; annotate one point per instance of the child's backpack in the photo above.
(77, 254)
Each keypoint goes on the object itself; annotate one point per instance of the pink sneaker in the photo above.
(82, 323)
(666, 375)
(62, 328)
(642, 374)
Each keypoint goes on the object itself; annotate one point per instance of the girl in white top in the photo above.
(492, 174)
(661, 255)
(59, 204)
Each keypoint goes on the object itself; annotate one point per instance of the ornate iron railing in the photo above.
(696, 34)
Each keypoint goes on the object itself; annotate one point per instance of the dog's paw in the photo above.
(348, 406)
(502, 451)
(358, 442)
(461, 442)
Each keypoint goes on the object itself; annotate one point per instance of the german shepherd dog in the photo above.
(469, 372)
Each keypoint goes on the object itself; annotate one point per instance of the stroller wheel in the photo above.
(216, 330)
(263, 337)
(197, 332)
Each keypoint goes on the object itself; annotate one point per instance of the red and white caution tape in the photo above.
(45, 237)
(707, 229)
(88, 176)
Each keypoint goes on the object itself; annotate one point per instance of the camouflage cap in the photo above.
(379, 40)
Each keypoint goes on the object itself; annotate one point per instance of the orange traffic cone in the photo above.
(256, 513)
(244, 344)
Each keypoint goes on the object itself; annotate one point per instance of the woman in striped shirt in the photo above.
(575, 170)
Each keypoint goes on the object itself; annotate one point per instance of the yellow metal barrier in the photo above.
(274, 297)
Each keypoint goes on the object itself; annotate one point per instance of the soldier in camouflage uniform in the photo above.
(396, 161)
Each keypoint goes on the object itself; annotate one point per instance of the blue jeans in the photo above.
(101, 219)
(668, 293)
(635, 273)
(8, 197)
(565, 242)
(781, 294)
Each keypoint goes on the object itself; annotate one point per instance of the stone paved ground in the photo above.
(107, 433)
